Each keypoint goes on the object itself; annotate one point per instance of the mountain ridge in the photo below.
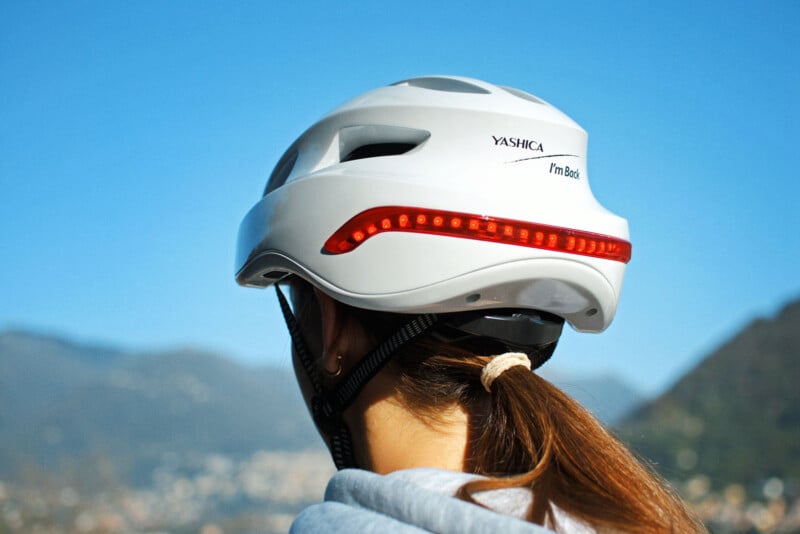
(735, 417)
(58, 404)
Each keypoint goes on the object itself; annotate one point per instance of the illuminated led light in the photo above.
(478, 227)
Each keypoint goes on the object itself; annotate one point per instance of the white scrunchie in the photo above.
(500, 364)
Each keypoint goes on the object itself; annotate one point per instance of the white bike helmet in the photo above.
(463, 204)
(441, 194)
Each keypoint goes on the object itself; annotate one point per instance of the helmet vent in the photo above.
(377, 140)
(377, 150)
(522, 94)
(448, 85)
(281, 171)
(274, 276)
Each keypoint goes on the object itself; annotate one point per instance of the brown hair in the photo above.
(528, 433)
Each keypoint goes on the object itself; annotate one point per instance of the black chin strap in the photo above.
(327, 406)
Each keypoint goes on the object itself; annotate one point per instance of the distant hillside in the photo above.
(36, 369)
(609, 398)
(736, 416)
(60, 402)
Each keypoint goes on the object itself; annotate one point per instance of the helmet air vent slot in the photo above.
(522, 94)
(449, 85)
(377, 150)
(281, 171)
(378, 140)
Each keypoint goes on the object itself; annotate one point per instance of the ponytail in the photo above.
(527, 433)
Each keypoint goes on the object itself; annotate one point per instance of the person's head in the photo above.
(431, 376)
(425, 228)
(448, 199)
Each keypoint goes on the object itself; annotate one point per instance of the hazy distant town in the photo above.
(264, 492)
(260, 494)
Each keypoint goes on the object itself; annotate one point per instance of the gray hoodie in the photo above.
(420, 500)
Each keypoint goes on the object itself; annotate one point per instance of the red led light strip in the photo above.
(480, 227)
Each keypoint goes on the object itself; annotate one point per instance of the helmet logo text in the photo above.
(518, 142)
(565, 171)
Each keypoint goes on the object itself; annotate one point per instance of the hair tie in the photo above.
(500, 364)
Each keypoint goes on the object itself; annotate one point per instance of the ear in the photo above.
(331, 331)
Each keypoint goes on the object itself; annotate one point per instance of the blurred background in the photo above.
(141, 389)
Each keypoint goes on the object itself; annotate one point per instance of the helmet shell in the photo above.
(464, 146)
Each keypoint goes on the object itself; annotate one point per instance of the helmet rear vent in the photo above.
(274, 276)
(449, 85)
(378, 140)
(281, 171)
(377, 150)
(522, 94)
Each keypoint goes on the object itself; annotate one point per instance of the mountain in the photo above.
(735, 418)
(61, 401)
(608, 397)
(34, 369)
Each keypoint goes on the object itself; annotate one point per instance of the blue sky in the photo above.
(135, 135)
